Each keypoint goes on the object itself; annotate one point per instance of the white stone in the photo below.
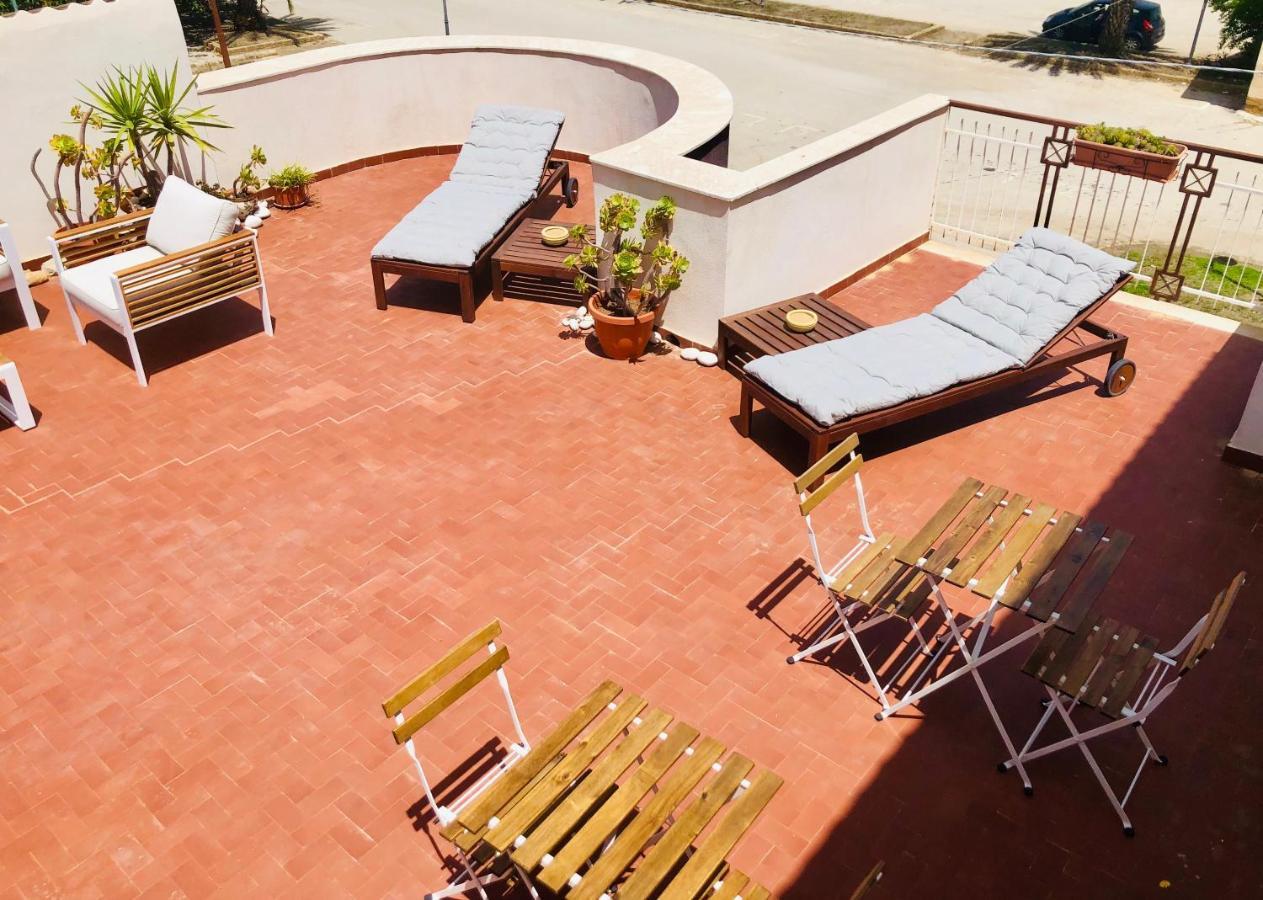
(575, 327)
(587, 322)
(254, 223)
(263, 211)
(706, 358)
(689, 353)
(655, 339)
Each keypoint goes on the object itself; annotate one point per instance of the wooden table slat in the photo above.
(563, 818)
(991, 536)
(945, 554)
(1040, 558)
(667, 853)
(615, 808)
(742, 812)
(475, 816)
(633, 837)
(734, 883)
(535, 804)
(921, 542)
(1087, 590)
(1018, 543)
(1046, 596)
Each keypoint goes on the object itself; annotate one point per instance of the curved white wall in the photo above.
(339, 104)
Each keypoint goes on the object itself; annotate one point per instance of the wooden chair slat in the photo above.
(989, 539)
(924, 539)
(615, 808)
(448, 664)
(1080, 664)
(1040, 559)
(667, 853)
(1060, 648)
(945, 553)
(825, 463)
(1046, 596)
(1015, 548)
(866, 885)
(890, 570)
(534, 804)
(913, 593)
(1124, 686)
(835, 481)
(475, 815)
(467, 683)
(633, 837)
(716, 846)
(1219, 614)
(1087, 590)
(567, 814)
(756, 892)
(734, 884)
(1113, 657)
(878, 563)
(857, 565)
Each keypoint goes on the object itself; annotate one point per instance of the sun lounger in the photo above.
(502, 168)
(998, 330)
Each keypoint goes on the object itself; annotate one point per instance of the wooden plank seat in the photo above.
(1116, 670)
(618, 793)
(761, 332)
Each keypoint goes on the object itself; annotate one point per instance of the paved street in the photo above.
(1025, 17)
(793, 85)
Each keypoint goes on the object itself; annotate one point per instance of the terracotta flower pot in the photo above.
(1125, 161)
(291, 197)
(621, 337)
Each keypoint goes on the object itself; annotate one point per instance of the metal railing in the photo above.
(1198, 235)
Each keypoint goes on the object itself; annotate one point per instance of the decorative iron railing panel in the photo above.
(1199, 234)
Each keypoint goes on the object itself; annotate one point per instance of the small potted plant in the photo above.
(1127, 151)
(627, 279)
(290, 185)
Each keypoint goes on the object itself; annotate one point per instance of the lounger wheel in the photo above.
(1119, 377)
(571, 192)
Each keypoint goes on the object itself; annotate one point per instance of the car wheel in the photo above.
(1133, 45)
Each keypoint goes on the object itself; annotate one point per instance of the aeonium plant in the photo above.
(629, 274)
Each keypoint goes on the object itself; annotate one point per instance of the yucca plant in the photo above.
(632, 275)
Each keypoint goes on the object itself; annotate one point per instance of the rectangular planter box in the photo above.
(1137, 163)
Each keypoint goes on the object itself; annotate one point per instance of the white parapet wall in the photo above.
(46, 55)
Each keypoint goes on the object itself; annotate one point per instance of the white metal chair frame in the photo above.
(446, 814)
(17, 407)
(1156, 688)
(843, 630)
(127, 327)
(9, 250)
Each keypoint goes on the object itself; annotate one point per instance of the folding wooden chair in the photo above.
(478, 876)
(1100, 667)
(867, 585)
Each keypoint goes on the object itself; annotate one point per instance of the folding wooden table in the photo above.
(621, 795)
(1015, 552)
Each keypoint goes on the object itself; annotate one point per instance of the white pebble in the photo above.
(655, 339)
(706, 358)
(263, 211)
(689, 353)
(587, 322)
(574, 326)
(254, 223)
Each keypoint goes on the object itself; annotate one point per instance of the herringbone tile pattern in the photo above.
(208, 587)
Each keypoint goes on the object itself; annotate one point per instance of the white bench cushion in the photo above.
(185, 217)
(90, 283)
(6, 272)
(508, 147)
(451, 226)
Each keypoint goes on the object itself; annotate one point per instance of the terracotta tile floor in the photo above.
(209, 586)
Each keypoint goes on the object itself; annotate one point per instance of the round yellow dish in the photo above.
(554, 235)
(800, 320)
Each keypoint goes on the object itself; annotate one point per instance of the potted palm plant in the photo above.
(627, 279)
(1127, 151)
(290, 185)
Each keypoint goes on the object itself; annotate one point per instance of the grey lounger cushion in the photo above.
(1000, 320)
(496, 174)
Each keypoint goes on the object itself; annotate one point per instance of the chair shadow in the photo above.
(183, 339)
(11, 317)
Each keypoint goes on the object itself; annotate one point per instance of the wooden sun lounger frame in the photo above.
(821, 437)
(556, 171)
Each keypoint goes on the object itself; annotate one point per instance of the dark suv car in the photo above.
(1084, 24)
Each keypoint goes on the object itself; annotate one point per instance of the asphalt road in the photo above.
(793, 85)
(1026, 16)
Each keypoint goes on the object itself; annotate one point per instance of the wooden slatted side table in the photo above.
(762, 332)
(541, 273)
(616, 769)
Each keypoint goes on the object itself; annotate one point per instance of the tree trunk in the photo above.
(248, 15)
(1114, 32)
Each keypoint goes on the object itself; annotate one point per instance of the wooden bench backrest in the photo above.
(431, 678)
(810, 499)
(1213, 626)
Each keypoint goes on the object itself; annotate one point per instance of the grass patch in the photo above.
(1236, 276)
(817, 16)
